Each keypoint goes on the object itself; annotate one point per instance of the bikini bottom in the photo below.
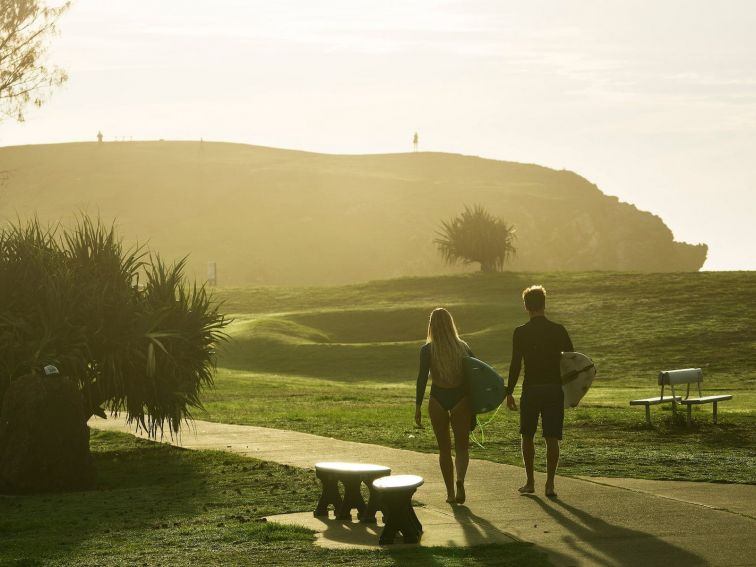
(448, 398)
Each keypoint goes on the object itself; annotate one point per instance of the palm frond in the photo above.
(72, 297)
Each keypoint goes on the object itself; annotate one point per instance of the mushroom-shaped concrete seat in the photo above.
(395, 500)
(351, 475)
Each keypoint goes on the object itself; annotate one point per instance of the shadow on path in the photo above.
(479, 531)
(599, 541)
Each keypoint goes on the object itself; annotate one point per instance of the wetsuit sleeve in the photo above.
(567, 346)
(516, 363)
(422, 375)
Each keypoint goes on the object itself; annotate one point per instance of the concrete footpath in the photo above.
(595, 521)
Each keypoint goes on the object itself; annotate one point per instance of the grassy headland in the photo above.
(282, 217)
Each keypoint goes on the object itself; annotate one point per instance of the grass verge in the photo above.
(155, 504)
(603, 438)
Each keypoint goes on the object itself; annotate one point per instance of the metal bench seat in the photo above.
(654, 401)
(685, 376)
(690, 376)
(690, 402)
(706, 399)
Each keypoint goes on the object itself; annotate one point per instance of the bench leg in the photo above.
(416, 520)
(648, 414)
(715, 412)
(373, 504)
(390, 521)
(690, 410)
(329, 495)
(399, 517)
(412, 527)
(352, 499)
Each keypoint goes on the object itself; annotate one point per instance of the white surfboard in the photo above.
(577, 372)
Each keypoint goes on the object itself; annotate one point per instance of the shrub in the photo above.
(126, 326)
(476, 236)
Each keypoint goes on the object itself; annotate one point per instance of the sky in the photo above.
(652, 100)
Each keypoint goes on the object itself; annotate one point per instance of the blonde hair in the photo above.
(447, 349)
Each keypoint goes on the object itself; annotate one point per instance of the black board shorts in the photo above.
(546, 401)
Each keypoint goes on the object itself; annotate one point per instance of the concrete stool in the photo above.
(395, 494)
(352, 475)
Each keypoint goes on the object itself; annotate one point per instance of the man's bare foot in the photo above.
(450, 498)
(461, 492)
(526, 489)
(550, 492)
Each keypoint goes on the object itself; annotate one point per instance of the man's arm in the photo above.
(516, 364)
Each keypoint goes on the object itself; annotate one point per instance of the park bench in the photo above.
(686, 376)
(395, 497)
(690, 376)
(351, 475)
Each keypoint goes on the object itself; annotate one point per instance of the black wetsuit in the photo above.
(447, 397)
(540, 343)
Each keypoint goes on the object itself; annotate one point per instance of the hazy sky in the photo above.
(654, 101)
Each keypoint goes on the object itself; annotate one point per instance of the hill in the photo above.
(272, 216)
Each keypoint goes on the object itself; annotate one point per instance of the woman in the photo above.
(448, 403)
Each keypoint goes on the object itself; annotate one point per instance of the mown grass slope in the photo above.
(633, 325)
(342, 362)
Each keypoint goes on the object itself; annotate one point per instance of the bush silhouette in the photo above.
(476, 236)
(121, 323)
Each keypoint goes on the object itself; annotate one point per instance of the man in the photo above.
(540, 343)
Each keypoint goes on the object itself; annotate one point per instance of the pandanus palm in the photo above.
(476, 236)
(124, 324)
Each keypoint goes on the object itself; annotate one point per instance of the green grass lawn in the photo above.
(341, 362)
(155, 504)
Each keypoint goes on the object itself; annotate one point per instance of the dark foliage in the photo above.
(121, 323)
(44, 439)
(476, 236)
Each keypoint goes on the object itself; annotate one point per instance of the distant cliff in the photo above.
(270, 216)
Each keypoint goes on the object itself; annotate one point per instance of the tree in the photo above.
(122, 324)
(476, 236)
(25, 28)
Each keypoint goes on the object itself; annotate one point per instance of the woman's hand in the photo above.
(418, 416)
(511, 404)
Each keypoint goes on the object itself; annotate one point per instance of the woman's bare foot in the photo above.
(550, 492)
(461, 496)
(526, 489)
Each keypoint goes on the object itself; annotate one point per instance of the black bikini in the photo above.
(448, 397)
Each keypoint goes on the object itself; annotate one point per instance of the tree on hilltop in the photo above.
(476, 236)
(25, 28)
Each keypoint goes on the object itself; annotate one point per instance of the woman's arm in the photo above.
(422, 381)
